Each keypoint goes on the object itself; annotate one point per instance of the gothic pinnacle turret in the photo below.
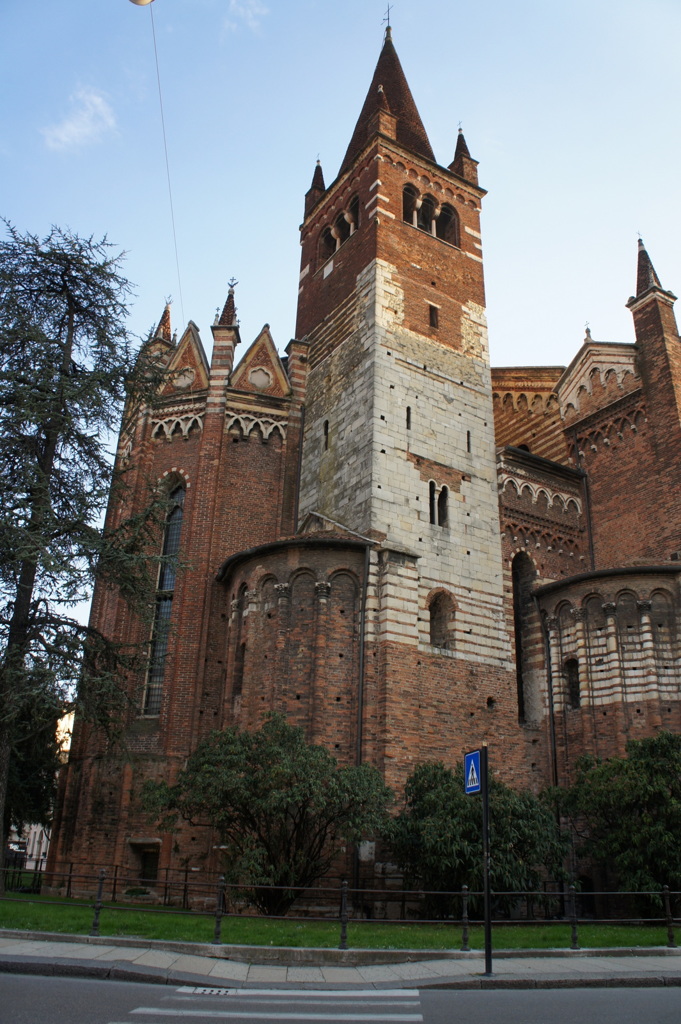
(647, 280)
(646, 276)
(316, 189)
(225, 339)
(164, 331)
(463, 163)
(228, 315)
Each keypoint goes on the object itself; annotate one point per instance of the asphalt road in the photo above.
(39, 1000)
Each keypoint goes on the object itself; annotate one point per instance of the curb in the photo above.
(306, 956)
(46, 967)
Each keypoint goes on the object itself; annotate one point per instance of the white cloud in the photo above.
(245, 12)
(90, 118)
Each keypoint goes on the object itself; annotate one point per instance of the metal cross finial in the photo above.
(387, 15)
(232, 282)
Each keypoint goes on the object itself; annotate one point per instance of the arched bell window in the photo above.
(447, 225)
(425, 216)
(409, 200)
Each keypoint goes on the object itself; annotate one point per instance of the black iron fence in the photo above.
(203, 895)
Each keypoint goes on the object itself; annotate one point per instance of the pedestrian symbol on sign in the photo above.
(471, 772)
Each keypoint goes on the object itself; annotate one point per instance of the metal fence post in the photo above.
(219, 902)
(98, 903)
(671, 940)
(68, 883)
(574, 943)
(344, 916)
(465, 948)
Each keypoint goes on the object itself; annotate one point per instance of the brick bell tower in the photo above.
(399, 441)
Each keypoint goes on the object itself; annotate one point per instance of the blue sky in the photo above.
(571, 109)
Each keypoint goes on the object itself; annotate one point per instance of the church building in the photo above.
(406, 552)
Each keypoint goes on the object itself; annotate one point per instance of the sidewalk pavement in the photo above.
(240, 967)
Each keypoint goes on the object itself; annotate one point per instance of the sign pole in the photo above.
(484, 787)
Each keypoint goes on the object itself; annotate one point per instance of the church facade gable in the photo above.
(260, 370)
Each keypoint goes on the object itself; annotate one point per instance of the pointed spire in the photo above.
(461, 146)
(463, 163)
(397, 94)
(164, 331)
(228, 317)
(316, 189)
(318, 178)
(646, 277)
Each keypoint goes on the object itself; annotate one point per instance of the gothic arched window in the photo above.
(153, 690)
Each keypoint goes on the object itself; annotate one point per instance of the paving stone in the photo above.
(193, 964)
(269, 974)
(304, 974)
(156, 958)
(230, 969)
(342, 975)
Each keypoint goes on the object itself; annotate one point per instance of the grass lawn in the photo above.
(72, 916)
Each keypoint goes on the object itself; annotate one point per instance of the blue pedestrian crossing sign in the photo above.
(471, 772)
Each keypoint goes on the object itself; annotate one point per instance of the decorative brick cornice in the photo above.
(248, 423)
(536, 489)
(168, 428)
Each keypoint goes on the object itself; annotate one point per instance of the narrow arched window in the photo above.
(239, 659)
(441, 616)
(432, 498)
(409, 200)
(523, 575)
(447, 225)
(153, 691)
(408, 417)
(326, 435)
(327, 245)
(442, 507)
(425, 217)
(239, 643)
(342, 228)
(571, 670)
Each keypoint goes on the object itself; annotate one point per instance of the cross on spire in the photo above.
(386, 20)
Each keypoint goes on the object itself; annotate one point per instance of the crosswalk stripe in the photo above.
(402, 1018)
(306, 993)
